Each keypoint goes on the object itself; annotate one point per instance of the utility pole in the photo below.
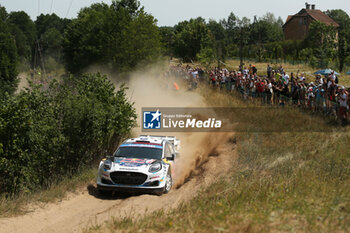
(41, 58)
(241, 49)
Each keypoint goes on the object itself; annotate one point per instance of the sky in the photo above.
(171, 12)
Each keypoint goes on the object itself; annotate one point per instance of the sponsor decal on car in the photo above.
(132, 162)
(142, 145)
(127, 162)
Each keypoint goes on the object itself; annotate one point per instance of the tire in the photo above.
(168, 183)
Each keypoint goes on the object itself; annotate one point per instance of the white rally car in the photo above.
(146, 164)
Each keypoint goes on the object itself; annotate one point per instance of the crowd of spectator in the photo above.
(323, 95)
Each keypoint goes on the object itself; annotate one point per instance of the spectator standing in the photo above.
(294, 90)
(310, 96)
(269, 71)
(285, 78)
(269, 92)
(343, 98)
(302, 93)
(255, 70)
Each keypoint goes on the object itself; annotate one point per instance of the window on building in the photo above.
(305, 20)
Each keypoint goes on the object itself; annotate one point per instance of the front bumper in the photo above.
(130, 189)
(153, 183)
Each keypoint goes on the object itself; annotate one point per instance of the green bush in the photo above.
(8, 64)
(46, 135)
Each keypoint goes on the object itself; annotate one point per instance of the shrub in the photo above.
(46, 135)
(8, 64)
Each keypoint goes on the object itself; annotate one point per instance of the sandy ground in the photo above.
(204, 157)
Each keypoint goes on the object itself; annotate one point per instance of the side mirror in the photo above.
(171, 158)
(109, 157)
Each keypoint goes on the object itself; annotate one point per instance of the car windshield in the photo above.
(139, 152)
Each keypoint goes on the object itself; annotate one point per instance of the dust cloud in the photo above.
(151, 89)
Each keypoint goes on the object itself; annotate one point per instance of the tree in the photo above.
(3, 17)
(266, 29)
(230, 26)
(50, 29)
(206, 57)
(237, 33)
(167, 38)
(23, 29)
(46, 21)
(131, 6)
(219, 34)
(343, 19)
(8, 63)
(190, 37)
(242, 36)
(8, 57)
(321, 38)
(118, 36)
(86, 39)
(143, 43)
(51, 42)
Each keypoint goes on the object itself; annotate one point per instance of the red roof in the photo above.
(289, 18)
(322, 17)
(316, 15)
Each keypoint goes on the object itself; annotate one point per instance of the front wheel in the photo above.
(168, 183)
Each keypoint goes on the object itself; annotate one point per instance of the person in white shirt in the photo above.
(320, 80)
(333, 76)
(343, 101)
(245, 71)
(286, 78)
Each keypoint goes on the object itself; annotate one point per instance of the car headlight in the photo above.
(107, 165)
(155, 167)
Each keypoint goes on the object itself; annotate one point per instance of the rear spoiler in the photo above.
(171, 139)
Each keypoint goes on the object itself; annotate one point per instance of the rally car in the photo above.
(145, 164)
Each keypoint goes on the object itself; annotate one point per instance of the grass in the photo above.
(20, 204)
(281, 182)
